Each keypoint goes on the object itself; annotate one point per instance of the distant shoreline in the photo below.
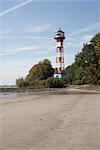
(72, 89)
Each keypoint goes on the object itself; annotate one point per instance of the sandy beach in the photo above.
(50, 122)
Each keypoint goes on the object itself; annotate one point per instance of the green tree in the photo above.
(86, 68)
(41, 71)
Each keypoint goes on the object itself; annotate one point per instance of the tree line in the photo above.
(84, 70)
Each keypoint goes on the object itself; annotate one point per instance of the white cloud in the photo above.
(16, 50)
(90, 27)
(87, 37)
(38, 28)
(73, 45)
(76, 43)
(42, 48)
(15, 8)
(30, 37)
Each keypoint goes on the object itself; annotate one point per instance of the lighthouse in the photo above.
(59, 70)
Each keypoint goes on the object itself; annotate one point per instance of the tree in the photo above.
(41, 71)
(86, 68)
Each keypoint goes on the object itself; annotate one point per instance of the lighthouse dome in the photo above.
(59, 34)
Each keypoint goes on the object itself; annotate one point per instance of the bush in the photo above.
(21, 83)
(37, 84)
(78, 82)
(54, 83)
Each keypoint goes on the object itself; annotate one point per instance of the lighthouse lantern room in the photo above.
(59, 70)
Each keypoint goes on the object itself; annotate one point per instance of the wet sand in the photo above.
(50, 122)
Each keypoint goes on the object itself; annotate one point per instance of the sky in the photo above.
(27, 29)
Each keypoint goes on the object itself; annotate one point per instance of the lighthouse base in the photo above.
(59, 75)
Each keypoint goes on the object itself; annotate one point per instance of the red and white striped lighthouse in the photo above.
(59, 70)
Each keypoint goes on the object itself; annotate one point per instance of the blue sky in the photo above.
(27, 29)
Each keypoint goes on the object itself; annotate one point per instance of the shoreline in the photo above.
(68, 90)
(71, 87)
(9, 97)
